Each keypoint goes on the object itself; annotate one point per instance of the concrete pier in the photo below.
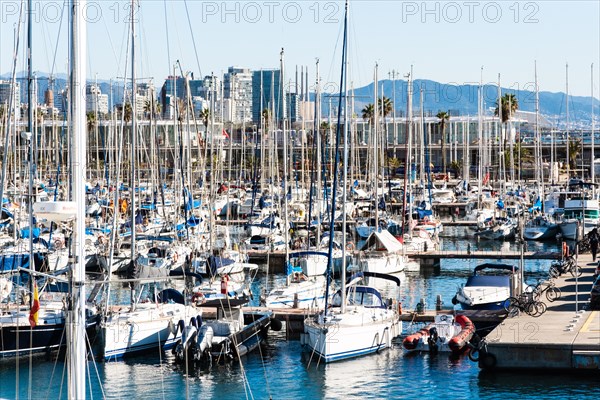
(565, 337)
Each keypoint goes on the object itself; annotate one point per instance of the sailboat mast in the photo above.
(480, 143)
(538, 142)
(335, 168)
(567, 121)
(593, 157)
(345, 164)
(31, 136)
(77, 321)
(133, 132)
(375, 148)
(285, 163)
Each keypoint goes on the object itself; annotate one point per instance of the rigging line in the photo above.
(167, 36)
(87, 339)
(62, 12)
(46, 35)
(62, 336)
(89, 376)
(193, 38)
(112, 47)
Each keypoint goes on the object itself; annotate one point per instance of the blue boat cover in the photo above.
(489, 280)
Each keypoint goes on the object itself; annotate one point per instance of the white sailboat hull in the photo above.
(149, 327)
(383, 263)
(357, 332)
(304, 294)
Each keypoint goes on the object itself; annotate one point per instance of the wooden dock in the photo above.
(485, 254)
(565, 337)
(276, 259)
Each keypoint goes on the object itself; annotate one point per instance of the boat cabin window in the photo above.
(361, 296)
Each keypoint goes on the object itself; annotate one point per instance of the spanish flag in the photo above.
(33, 313)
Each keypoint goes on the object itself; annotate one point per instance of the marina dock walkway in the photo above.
(565, 337)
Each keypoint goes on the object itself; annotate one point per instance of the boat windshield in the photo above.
(361, 296)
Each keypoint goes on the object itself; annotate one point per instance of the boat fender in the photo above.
(487, 361)
(223, 286)
(454, 300)
(175, 257)
(475, 345)
(276, 324)
(474, 354)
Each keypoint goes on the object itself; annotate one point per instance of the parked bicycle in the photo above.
(542, 287)
(524, 303)
(563, 266)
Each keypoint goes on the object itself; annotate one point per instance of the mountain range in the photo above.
(454, 98)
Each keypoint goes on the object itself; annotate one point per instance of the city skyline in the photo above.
(450, 42)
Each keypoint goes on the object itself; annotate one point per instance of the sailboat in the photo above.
(40, 323)
(360, 321)
(146, 325)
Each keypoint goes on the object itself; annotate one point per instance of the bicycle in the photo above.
(567, 265)
(524, 303)
(548, 287)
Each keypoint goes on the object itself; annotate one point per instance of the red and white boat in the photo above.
(447, 333)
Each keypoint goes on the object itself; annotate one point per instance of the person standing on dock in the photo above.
(593, 238)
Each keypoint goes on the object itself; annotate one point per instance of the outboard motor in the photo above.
(432, 340)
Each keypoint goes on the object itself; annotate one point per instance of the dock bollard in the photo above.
(438, 303)
(421, 306)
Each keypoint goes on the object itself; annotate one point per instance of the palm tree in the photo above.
(444, 117)
(574, 150)
(92, 120)
(266, 115)
(205, 117)
(387, 107)
(181, 110)
(148, 108)
(368, 112)
(510, 105)
(127, 112)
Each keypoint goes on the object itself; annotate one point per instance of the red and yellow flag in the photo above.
(35, 307)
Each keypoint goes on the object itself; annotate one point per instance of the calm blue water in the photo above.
(282, 371)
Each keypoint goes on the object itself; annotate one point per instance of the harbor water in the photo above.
(279, 369)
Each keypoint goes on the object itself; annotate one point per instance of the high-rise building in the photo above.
(266, 94)
(95, 100)
(5, 88)
(237, 87)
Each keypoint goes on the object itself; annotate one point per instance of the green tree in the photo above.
(457, 166)
(127, 112)
(444, 117)
(205, 117)
(266, 116)
(368, 113)
(520, 154)
(510, 105)
(574, 151)
(91, 119)
(387, 107)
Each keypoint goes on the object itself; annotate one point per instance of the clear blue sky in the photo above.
(444, 41)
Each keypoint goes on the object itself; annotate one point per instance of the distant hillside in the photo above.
(462, 99)
(458, 99)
